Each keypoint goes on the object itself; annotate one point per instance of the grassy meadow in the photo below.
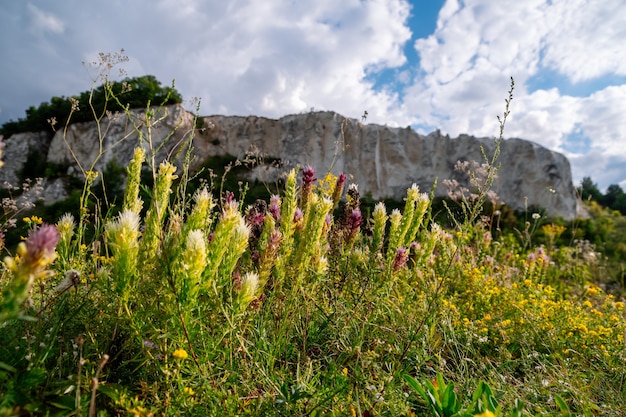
(194, 303)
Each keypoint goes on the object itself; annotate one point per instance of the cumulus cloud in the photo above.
(479, 44)
(280, 57)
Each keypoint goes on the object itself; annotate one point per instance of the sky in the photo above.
(431, 64)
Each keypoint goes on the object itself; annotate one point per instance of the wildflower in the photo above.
(40, 247)
(180, 354)
(297, 216)
(249, 287)
(536, 216)
(308, 175)
(341, 180)
(31, 262)
(255, 217)
(274, 207)
(66, 225)
(308, 178)
(32, 220)
(188, 391)
(593, 290)
(401, 258)
(380, 221)
(354, 223)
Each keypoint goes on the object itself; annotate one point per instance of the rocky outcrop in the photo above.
(89, 146)
(386, 160)
(382, 160)
(17, 149)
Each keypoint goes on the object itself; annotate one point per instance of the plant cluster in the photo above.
(300, 304)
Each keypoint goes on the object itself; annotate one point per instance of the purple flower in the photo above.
(274, 207)
(401, 258)
(297, 215)
(355, 221)
(229, 197)
(338, 191)
(41, 243)
(308, 175)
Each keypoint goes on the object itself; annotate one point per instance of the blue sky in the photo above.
(442, 64)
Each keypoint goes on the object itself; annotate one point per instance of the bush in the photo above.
(130, 93)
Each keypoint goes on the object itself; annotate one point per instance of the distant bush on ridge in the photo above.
(134, 92)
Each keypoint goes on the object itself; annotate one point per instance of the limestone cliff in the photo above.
(382, 160)
(386, 161)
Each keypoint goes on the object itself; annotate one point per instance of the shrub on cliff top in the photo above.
(136, 92)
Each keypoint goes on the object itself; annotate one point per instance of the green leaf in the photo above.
(63, 402)
(562, 405)
(416, 386)
(449, 401)
(7, 367)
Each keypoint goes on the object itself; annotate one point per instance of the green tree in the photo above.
(589, 190)
(613, 193)
(133, 93)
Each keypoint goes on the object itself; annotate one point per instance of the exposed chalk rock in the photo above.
(382, 160)
(387, 160)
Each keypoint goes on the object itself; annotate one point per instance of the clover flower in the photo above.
(40, 248)
(34, 256)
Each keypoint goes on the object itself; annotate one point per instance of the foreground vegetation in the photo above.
(302, 305)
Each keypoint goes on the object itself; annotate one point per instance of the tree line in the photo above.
(131, 93)
(614, 198)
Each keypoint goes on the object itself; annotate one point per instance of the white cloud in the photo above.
(44, 21)
(479, 44)
(586, 39)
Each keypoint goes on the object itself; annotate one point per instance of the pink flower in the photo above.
(355, 221)
(297, 215)
(41, 244)
(308, 175)
(274, 207)
(401, 258)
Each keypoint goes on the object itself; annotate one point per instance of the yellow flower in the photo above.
(180, 354)
(344, 371)
(485, 414)
(188, 391)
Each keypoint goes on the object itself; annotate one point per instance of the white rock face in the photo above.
(382, 160)
(386, 161)
(15, 153)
